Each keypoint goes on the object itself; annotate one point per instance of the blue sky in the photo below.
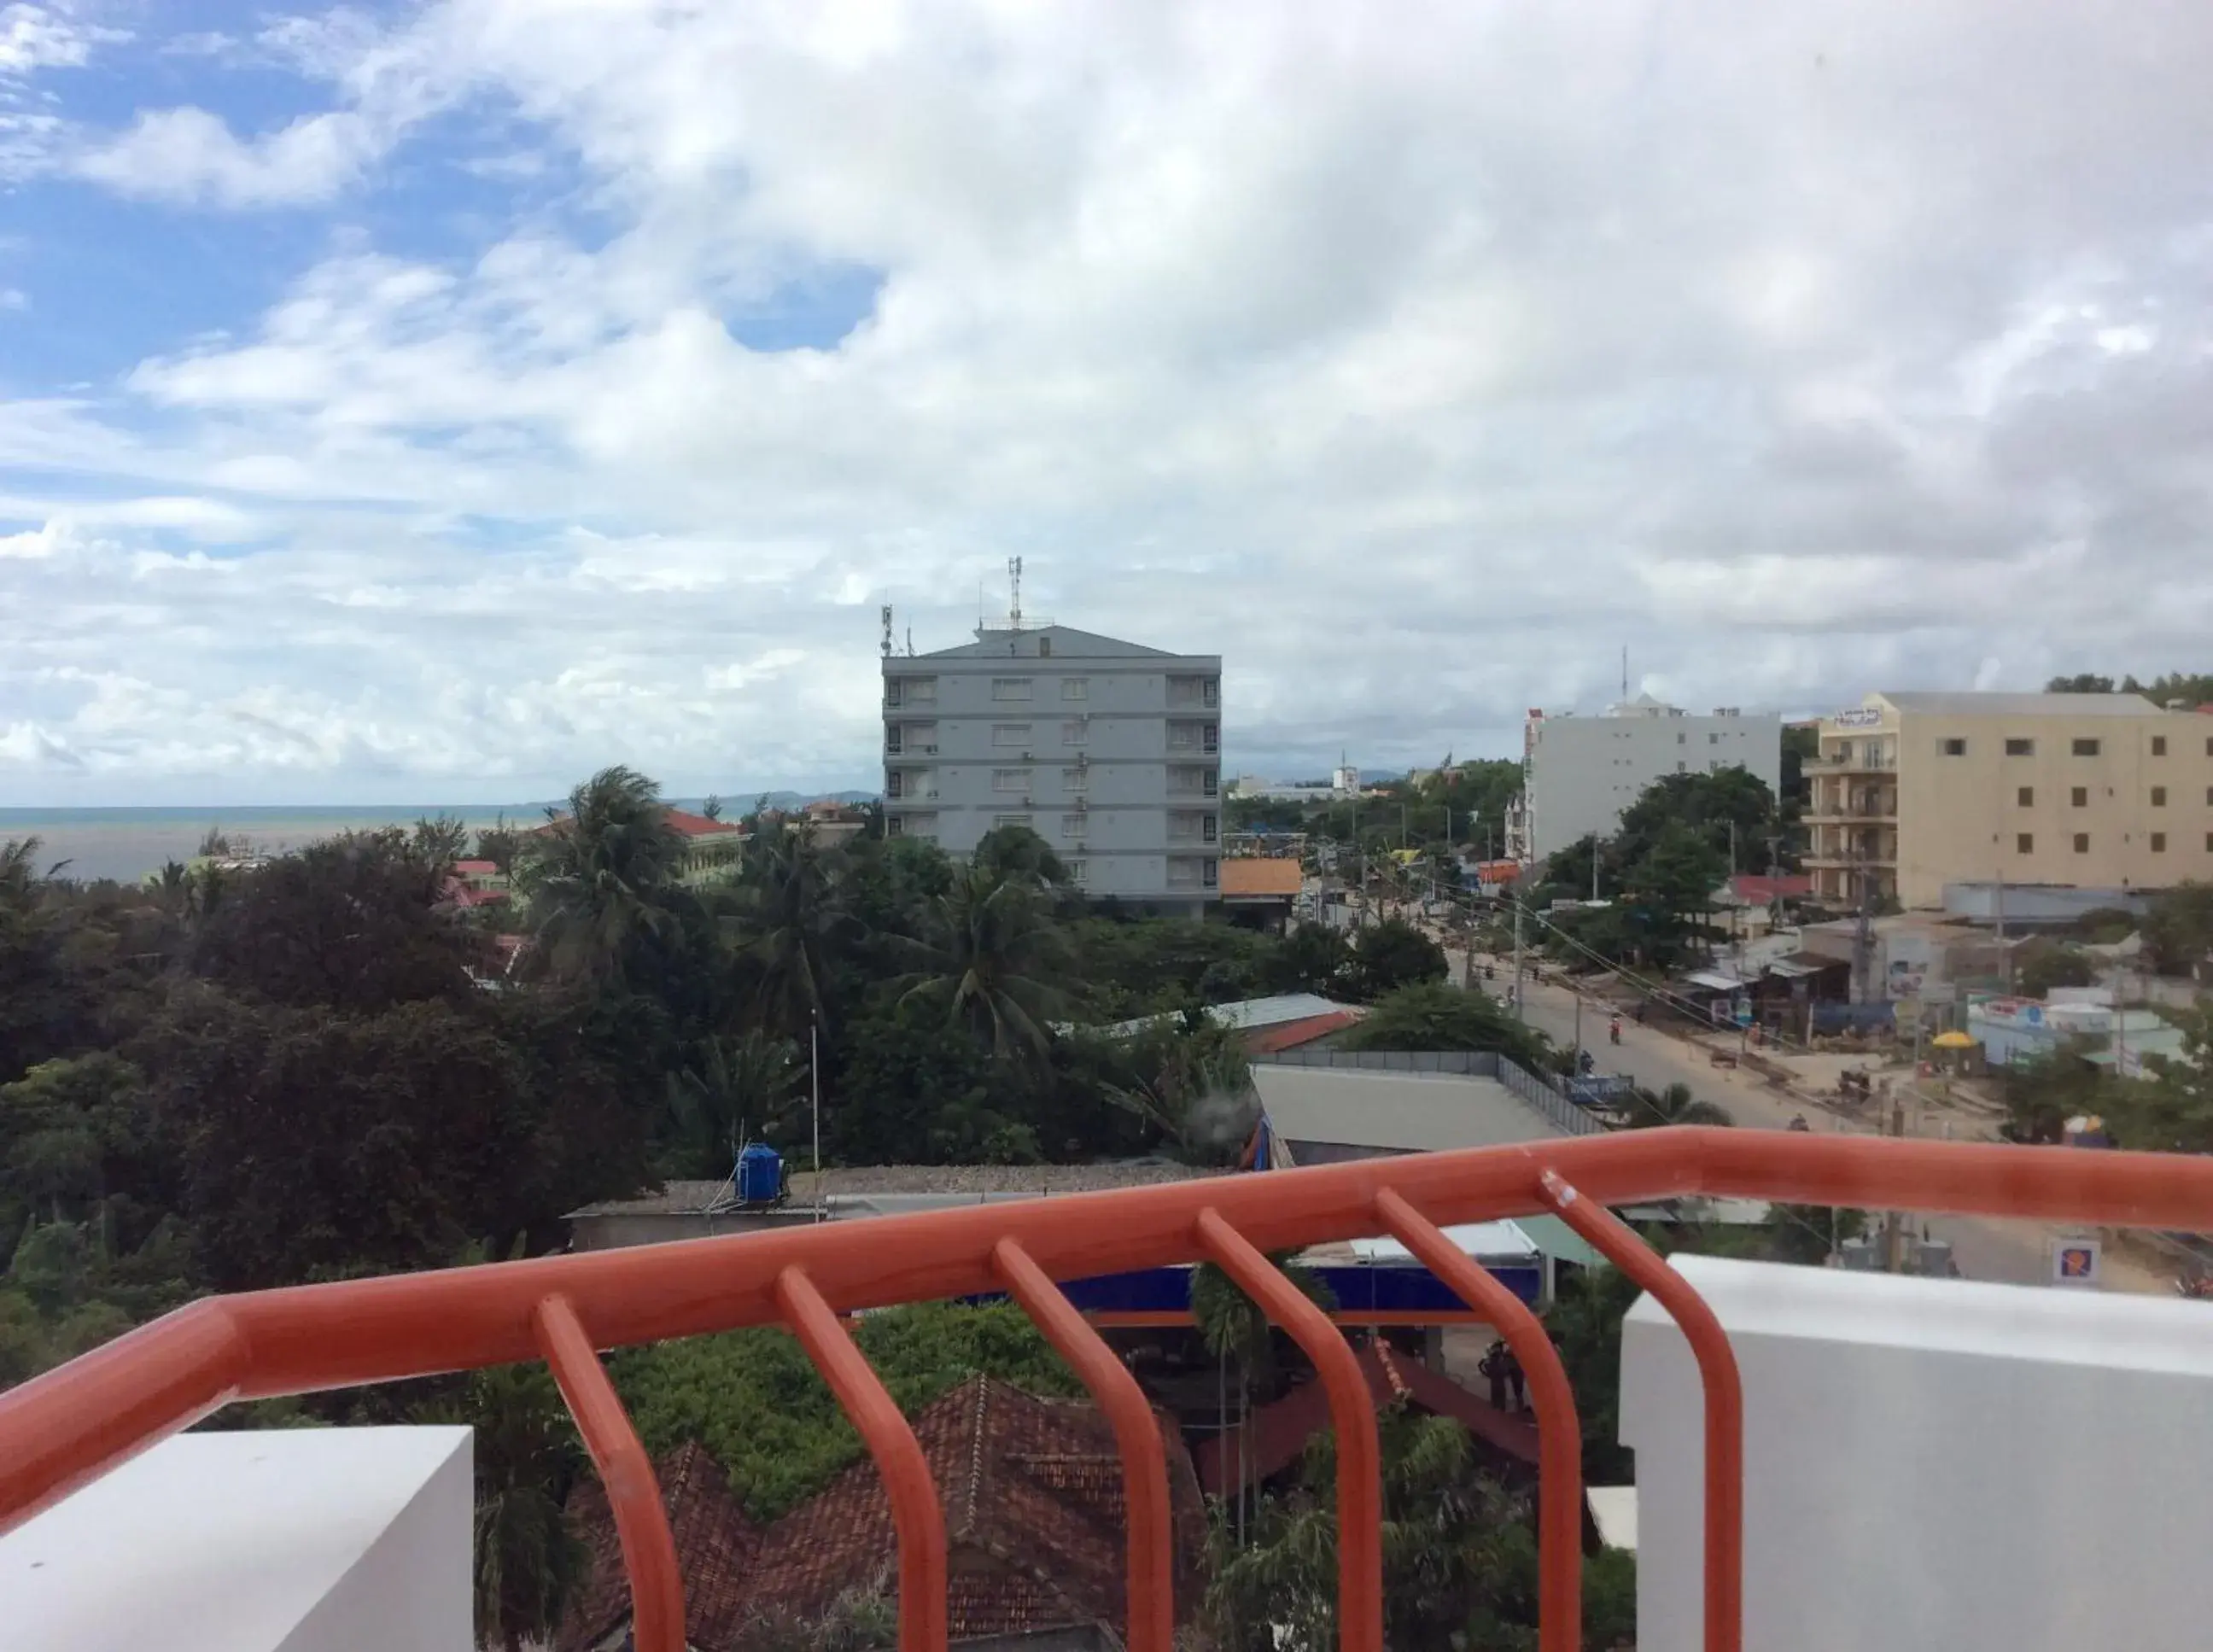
(433, 402)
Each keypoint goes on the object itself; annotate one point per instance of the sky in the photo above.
(436, 403)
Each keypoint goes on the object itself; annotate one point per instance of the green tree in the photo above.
(1449, 1563)
(352, 925)
(789, 910)
(2177, 929)
(1194, 1085)
(734, 1087)
(2043, 1094)
(2173, 1111)
(1668, 892)
(1432, 1017)
(993, 959)
(2045, 965)
(1016, 851)
(1654, 1109)
(1311, 958)
(2083, 683)
(1391, 954)
(602, 879)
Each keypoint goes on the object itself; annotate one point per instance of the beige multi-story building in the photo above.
(1914, 791)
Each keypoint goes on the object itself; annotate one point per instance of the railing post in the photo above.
(1724, 1393)
(649, 1551)
(1151, 1583)
(917, 1514)
(1359, 1458)
(1559, 1436)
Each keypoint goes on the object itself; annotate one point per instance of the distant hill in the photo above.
(735, 804)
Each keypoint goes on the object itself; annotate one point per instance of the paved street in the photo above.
(2014, 1252)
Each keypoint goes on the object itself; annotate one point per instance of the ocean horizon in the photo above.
(129, 843)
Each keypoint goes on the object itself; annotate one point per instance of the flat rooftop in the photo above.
(1395, 1112)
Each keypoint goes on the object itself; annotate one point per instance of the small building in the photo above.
(1284, 1020)
(1261, 890)
(1335, 1107)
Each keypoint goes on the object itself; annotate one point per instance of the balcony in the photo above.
(2015, 1468)
(1855, 761)
(1884, 810)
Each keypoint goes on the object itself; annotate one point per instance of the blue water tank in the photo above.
(760, 1174)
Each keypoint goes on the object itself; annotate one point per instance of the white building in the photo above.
(1109, 751)
(1579, 774)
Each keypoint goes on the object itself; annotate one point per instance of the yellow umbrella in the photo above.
(1952, 1041)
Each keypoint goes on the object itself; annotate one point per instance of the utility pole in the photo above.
(2005, 956)
(1863, 931)
(1520, 1014)
(1893, 1225)
(814, 1078)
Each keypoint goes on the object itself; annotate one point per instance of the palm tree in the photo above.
(603, 876)
(789, 907)
(991, 954)
(1195, 1088)
(1673, 1105)
(733, 1085)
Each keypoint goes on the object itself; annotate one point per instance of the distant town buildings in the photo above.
(1343, 782)
(1913, 791)
(1110, 751)
(1579, 774)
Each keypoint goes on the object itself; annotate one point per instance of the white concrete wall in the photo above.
(1583, 772)
(271, 1541)
(1933, 1464)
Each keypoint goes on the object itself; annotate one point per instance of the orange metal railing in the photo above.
(67, 1427)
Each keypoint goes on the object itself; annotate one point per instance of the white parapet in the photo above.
(1933, 1464)
(269, 1540)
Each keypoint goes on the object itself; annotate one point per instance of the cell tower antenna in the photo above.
(1014, 592)
(887, 630)
(1624, 673)
(910, 642)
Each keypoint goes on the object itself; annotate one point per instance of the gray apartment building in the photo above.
(1110, 751)
(1579, 774)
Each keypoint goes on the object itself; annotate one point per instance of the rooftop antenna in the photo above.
(1625, 671)
(910, 642)
(887, 613)
(1015, 594)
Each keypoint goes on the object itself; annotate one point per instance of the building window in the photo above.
(2086, 748)
(1074, 731)
(1209, 873)
(1955, 746)
(1010, 733)
(895, 740)
(893, 783)
(1075, 688)
(2158, 842)
(1078, 871)
(1010, 688)
(1207, 830)
(1682, 739)
(2025, 797)
(1075, 779)
(2080, 797)
(998, 820)
(2159, 797)
(2024, 843)
(1680, 766)
(1071, 826)
(2020, 748)
(1045, 647)
(1212, 782)
(1210, 739)
(2081, 842)
(1713, 739)
(1010, 780)
(1210, 692)
(2158, 745)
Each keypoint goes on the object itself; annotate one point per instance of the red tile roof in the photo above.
(1033, 1518)
(1759, 891)
(682, 822)
(715, 1546)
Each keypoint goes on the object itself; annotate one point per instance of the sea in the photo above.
(127, 844)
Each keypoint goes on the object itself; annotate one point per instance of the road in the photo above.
(2015, 1253)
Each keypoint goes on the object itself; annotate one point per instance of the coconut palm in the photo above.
(732, 1086)
(991, 955)
(1673, 1105)
(789, 915)
(604, 875)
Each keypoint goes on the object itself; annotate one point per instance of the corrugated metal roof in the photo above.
(1404, 1113)
(1254, 876)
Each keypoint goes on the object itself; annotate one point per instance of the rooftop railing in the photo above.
(64, 1428)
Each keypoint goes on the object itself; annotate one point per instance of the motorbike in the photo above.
(1613, 1029)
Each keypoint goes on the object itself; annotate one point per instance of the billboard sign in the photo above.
(2074, 1263)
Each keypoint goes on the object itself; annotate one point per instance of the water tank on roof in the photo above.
(760, 1174)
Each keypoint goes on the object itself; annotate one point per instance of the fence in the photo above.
(67, 1427)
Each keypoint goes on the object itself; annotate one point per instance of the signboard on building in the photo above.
(1860, 717)
(2074, 1263)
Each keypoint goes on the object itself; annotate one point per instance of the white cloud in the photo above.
(1416, 367)
(190, 155)
(34, 36)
